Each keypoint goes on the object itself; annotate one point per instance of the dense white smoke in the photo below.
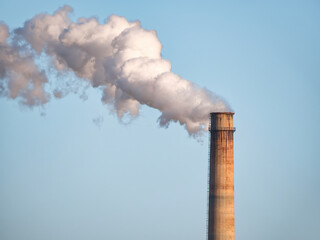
(119, 57)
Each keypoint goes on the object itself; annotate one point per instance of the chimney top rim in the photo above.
(229, 113)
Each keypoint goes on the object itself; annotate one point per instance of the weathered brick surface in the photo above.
(221, 182)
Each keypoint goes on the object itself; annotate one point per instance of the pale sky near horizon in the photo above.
(64, 177)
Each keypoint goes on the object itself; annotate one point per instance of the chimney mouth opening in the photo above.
(229, 113)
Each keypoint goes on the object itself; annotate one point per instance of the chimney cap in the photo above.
(213, 113)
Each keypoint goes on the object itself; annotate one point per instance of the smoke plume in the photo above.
(119, 57)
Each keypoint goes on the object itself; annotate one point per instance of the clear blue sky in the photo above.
(62, 177)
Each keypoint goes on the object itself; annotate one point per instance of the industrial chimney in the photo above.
(221, 187)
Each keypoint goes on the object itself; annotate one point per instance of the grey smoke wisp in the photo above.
(119, 57)
(19, 76)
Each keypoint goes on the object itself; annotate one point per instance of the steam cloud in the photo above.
(118, 57)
